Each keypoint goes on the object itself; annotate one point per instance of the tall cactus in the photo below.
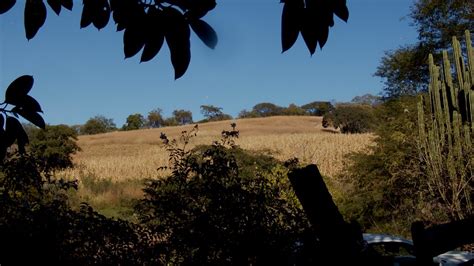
(446, 130)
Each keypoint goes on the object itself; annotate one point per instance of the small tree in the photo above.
(98, 124)
(351, 118)
(155, 118)
(293, 109)
(267, 109)
(318, 108)
(367, 99)
(183, 117)
(247, 114)
(211, 112)
(134, 122)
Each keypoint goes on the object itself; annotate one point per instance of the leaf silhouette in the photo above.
(101, 14)
(31, 116)
(55, 6)
(309, 31)
(177, 36)
(290, 23)
(133, 39)
(323, 33)
(87, 13)
(6, 5)
(340, 9)
(205, 32)
(18, 89)
(35, 16)
(67, 4)
(29, 103)
(14, 131)
(125, 12)
(154, 35)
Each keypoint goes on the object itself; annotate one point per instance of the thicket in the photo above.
(421, 167)
(382, 185)
(351, 118)
(222, 205)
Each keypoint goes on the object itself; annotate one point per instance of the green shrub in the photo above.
(351, 118)
(382, 188)
(53, 147)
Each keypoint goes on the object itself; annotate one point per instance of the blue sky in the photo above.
(80, 73)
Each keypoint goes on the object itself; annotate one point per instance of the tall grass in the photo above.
(137, 154)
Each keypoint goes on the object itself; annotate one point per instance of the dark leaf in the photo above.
(18, 89)
(55, 5)
(3, 147)
(29, 103)
(67, 4)
(133, 39)
(87, 13)
(126, 12)
(101, 14)
(5, 5)
(309, 31)
(120, 27)
(290, 23)
(14, 131)
(323, 34)
(198, 9)
(205, 32)
(177, 36)
(154, 35)
(340, 9)
(31, 116)
(2, 122)
(35, 16)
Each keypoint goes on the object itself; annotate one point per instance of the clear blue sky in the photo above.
(80, 73)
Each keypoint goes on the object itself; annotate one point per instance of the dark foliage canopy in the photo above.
(147, 25)
(405, 70)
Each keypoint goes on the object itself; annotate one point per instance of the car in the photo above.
(403, 251)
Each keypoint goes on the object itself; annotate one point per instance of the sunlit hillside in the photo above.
(137, 154)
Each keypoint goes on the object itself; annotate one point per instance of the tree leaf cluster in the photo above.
(312, 19)
(148, 24)
(405, 69)
(24, 105)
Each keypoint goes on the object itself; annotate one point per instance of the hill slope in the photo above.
(137, 154)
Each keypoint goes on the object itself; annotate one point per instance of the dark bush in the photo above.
(53, 147)
(224, 206)
(37, 225)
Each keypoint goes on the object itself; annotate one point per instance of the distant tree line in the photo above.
(265, 109)
(156, 119)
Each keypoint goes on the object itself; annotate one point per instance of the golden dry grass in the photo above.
(137, 154)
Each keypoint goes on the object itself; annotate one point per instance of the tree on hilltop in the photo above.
(98, 124)
(134, 122)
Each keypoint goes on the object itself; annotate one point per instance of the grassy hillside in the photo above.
(137, 154)
(111, 167)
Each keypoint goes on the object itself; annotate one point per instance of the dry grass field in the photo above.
(137, 154)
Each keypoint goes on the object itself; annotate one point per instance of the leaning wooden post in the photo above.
(335, 235)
